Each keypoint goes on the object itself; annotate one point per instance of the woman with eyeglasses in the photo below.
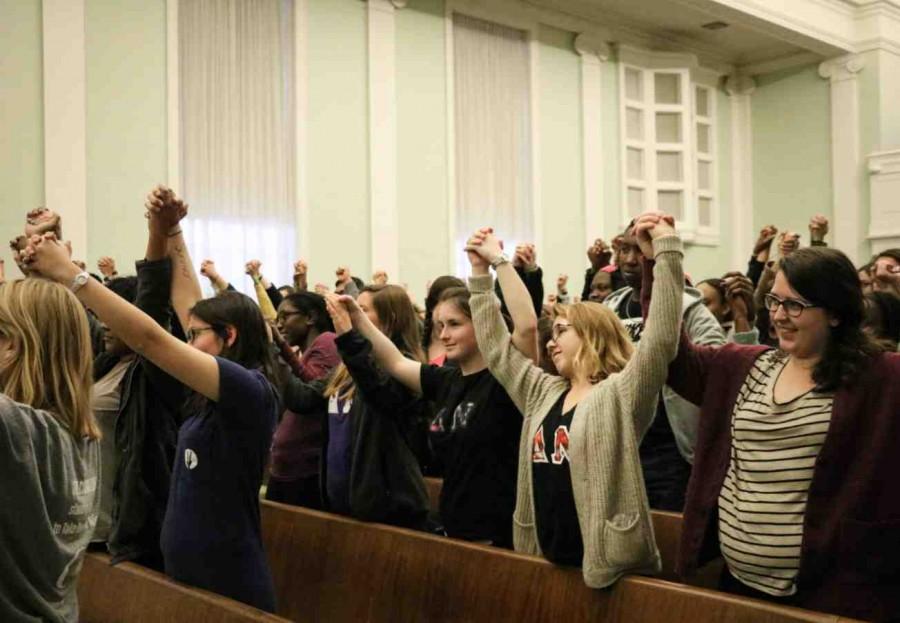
(794, 478)
(211, 531)
(304, 323)
(581, 499)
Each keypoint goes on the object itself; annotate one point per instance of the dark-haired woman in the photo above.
(882, 320)
(431, 339)
(368, 469)
(211, 532)
(304, 323)
(794, 478)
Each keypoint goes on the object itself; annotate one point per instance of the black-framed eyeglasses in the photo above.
(792, 307)
(193, 334)
(283, 316)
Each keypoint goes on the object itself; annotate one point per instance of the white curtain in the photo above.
(237, 134)
(492, 100)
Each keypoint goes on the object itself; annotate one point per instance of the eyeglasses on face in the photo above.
(193, 334)
(558, 330)
(283, 316)
(792, 307)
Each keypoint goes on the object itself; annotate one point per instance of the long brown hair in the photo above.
(49, 332)
(399, 322)
(605, 345)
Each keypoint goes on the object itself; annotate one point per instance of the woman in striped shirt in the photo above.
(794, 479)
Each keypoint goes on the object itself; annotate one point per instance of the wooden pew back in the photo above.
(129, 592)
(331, 568)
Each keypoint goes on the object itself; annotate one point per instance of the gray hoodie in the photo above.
(703, 328)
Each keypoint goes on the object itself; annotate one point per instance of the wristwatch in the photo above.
(80, 279)
(500, 259)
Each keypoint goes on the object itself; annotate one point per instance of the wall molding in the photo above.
(884, 183)
(65, 117)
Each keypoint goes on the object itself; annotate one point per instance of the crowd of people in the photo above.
(139, 418)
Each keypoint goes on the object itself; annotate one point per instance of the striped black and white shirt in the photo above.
(763, 501)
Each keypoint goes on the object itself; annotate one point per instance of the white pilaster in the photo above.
(847, 175)
(884, 185)
(594, 53)
(173, 98)
(383, 137)
(739, 89)
(301, 134)
(65, 118)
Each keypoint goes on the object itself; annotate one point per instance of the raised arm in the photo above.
(260, 286)
(386, 354)
(522, 380)
(192, 367)
(645, 374)
(518, 300)
(163, 204)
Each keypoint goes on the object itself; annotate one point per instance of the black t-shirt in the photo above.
(557, 526)
(475, 436)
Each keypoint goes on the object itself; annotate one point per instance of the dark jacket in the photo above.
(850, 556)
(534, 283)
(386, 484)
(146, 432)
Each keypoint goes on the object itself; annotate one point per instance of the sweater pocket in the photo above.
(624, 542)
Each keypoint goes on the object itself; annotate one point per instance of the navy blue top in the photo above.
(211, 534)
(337, 475)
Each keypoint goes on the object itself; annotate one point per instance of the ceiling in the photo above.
(677, 25)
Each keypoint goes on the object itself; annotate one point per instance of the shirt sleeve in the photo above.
(246, 398)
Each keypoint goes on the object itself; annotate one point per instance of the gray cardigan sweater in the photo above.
(606, 430)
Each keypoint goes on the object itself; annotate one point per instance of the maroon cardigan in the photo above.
(850, 555)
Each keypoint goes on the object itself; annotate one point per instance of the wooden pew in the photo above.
(131, 593)
(331, 568)
(667, 529)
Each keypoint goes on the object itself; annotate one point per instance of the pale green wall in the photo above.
(560, 163)
(337, 149)
(791, 117)
(21, 118)
(421, 144)
(125, 61)
(700, 261)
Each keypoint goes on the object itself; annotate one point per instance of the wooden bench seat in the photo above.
(131, 593)
(331, 568)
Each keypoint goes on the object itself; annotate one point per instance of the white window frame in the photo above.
(692, 77)
(707, 234)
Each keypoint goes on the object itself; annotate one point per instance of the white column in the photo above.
(173, 98)
(739, 89)
(847, 171)
(301, 109)
(594, 53)
(383, 138)
(65, 118)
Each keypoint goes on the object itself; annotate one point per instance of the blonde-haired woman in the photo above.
(580, 498)
(49, 450)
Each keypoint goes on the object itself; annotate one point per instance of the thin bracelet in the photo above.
(175, 233)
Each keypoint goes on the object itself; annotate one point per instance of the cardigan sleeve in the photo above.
(523, 381)
(645, 374)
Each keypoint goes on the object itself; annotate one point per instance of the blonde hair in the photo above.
(605, 346)
(51, 369)
(399, 322)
